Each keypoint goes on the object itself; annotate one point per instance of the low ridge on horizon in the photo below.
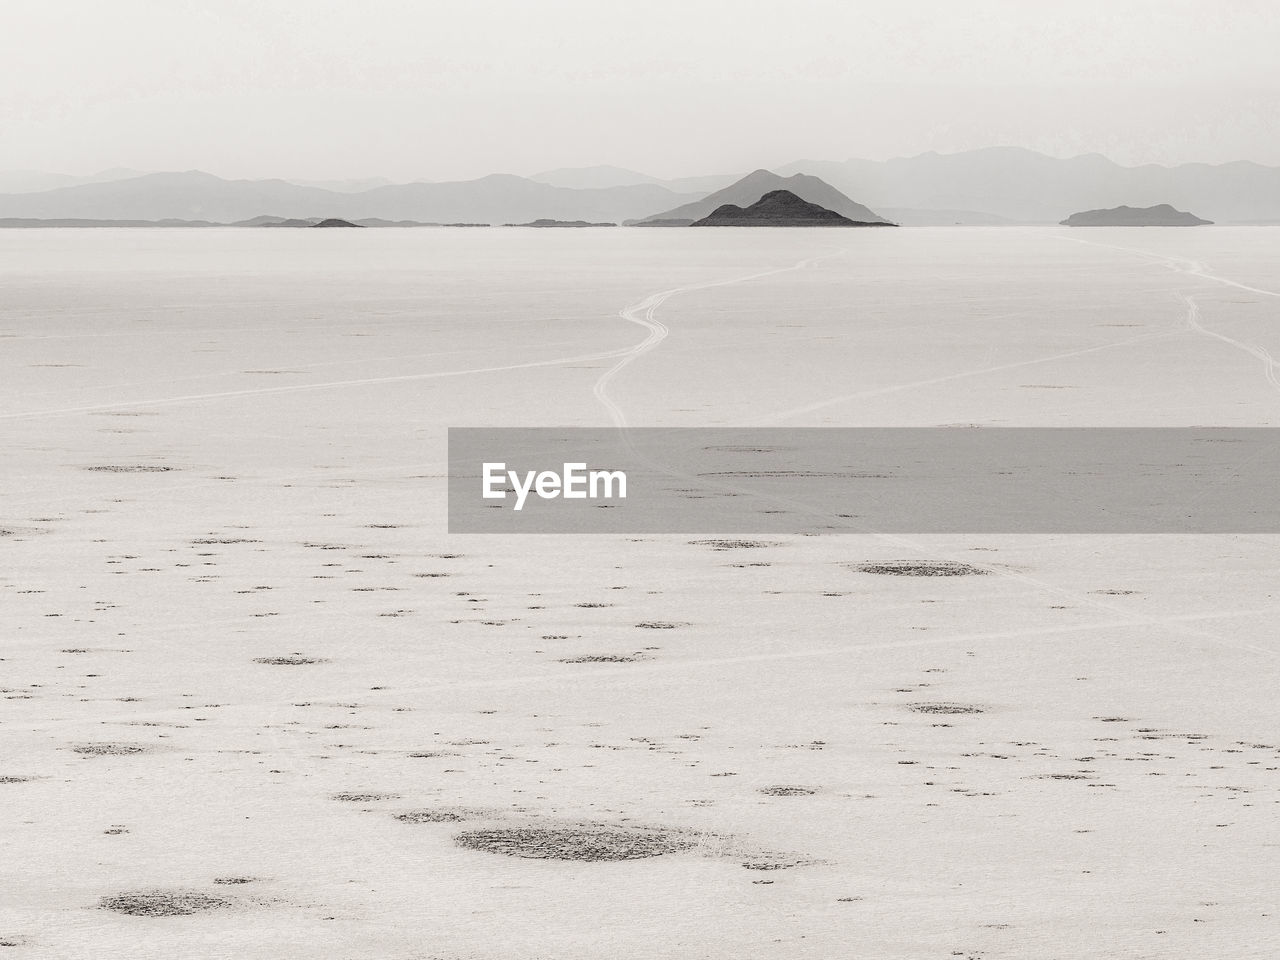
(1160, 215)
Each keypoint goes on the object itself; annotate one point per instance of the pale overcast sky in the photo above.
(449, 90)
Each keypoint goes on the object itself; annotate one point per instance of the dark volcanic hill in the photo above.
(780, 208)
(1161, 215)
(755, 185)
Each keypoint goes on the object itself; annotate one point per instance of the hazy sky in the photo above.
(450, 89)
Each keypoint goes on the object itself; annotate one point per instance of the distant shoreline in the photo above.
(30, 223)
(86, 224)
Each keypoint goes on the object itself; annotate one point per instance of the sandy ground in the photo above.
(224, 449)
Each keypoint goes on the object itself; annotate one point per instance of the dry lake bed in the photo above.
(259, 703)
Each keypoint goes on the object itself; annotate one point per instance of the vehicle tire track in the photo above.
(643, 313)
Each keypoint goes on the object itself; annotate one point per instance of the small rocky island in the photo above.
(779, 208)
(1161, 215)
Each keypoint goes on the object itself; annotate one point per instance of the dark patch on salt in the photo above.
(163, 903)
(1063, 776)
(130, 468)
(110, 749)
(944, 708)
(438, 815)
(922, 568)
(576, 843)
(783, 790)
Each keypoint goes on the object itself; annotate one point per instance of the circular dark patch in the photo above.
(163, 903)
(584, 844)
(922, 568)
(787, 791)
(130, 468)
(944, 708)
(1063, 776)
(110, 749)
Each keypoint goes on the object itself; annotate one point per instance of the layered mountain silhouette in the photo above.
(345, 186)
(1161, 215)
(586, 178)
(992, 186)
(780, 208)
(32, 181)
(753, 186)
(193, 195)
(1025, 186)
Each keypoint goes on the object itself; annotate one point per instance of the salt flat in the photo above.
(250, 680)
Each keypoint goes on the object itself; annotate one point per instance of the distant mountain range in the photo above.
(586, 178)
(193, 195)
(992, 186)
(1022, 185)
(32, 181)
(347, 186)
(755, 185)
